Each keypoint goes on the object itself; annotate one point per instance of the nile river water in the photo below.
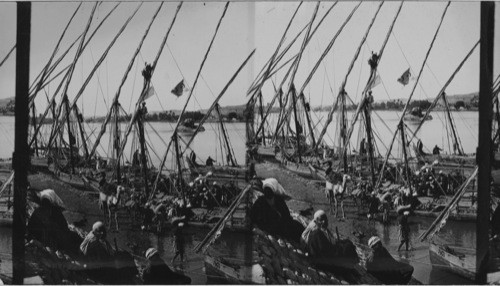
(208, 143)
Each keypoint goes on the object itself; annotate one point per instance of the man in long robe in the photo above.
(326, 251)
(271, 214)
(384, 267)
(158, 272)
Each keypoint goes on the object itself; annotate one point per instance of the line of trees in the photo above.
(170, 116)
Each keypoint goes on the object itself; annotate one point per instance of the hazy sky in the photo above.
(247, 26)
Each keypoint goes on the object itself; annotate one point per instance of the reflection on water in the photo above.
(6, 251)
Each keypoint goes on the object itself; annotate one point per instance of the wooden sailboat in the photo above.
(459, 260)
(294, 148)
(458, 157)
(67, 162)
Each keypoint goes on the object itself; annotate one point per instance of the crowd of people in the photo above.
(103, 262)
(427, 182)
(327, 251)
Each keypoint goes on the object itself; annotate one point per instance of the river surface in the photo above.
(207, 143)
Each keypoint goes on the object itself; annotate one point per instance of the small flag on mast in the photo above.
(151, 91)
(405, 77)
(178, 89)
(376, 81)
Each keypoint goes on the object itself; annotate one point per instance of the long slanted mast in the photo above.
(443, 216)
(214, 106)
(70, 73)
(411, 94)
(295, 67)
(271, 60)
(215, 103)
(41, 120)
(373, 73)
(56, 48)
(441, 92)
(344, 82)
(191, 91)
(96, 66)
(8, 54)
(278, 90)
(320, 60)
(260, 77)
(124, 78)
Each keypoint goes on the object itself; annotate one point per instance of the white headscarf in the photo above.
(313, 225)
(276, 187)
(52, 197)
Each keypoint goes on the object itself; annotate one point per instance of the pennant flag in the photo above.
(151, 91)
(405, 77)
(178, 89)
(376, 81)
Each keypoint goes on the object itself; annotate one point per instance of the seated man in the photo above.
(271, 214)
(99, 254)
(384, 267)
(158, 272)
(48, 225)
(95, 246)
(317, 238)
(327, 252)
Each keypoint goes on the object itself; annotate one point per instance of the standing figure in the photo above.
(373, 207)
(362, 147)
(210, 161)
(436, 150)
(179, 242)
(404, 231)
(420, 147)
(136, 158)
(386, 207)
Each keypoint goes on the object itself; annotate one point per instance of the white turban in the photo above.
(52, 197)
(276, 187)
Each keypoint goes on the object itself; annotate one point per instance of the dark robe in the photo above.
(48, 225)
(275, 220)
(329, 254)
(158, 273)
(404, 228)
(384, 267)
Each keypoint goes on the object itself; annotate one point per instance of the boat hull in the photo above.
(240, 274)
(444, 257)
(413, 118)
(184, 130)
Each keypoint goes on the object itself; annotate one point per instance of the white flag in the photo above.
(405, 77)
(376, 81)
(151, 91)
